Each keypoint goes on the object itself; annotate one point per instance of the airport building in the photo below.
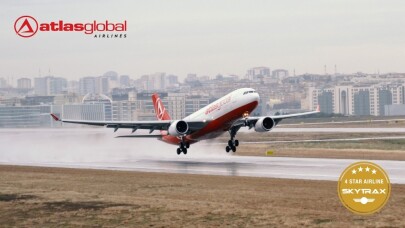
(87, 85)
(124, 111)
(85, 112)
(194, 103)
(280, 73)
(49, 85)
(175, 104)
(101, 84)
(93, 107)
(145, 109)
(27, 116)
(3, 83)
(125, 81)
(258, 73)
(67, 98)
(24, 83)
(360, 100)
(395, 110)
(139, 106)
(179, 105)
(153, 82)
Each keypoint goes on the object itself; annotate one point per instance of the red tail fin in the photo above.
(160, 110)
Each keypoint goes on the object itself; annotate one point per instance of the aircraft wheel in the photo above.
(227, 148)
(185, 150)
(233, 149)
(230, 143)
(236, 142)
(187, 145)
(178, 151)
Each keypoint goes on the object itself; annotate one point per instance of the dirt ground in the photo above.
(54, 197)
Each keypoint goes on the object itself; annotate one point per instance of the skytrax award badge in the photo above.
(364, 187)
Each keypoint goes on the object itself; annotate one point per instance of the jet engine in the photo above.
(264, 124)
(178, 128)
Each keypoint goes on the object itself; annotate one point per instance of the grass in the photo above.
(284, 136)
(14, 197)
(397, 144)
(364, 149)
(320, 221)
(388, 122)
(80, 205)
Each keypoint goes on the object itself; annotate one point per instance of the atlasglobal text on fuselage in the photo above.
(88, 28)
(227, 114)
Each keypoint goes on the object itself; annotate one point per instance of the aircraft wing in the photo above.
(280, 117)
(250, 121)
(135, 125)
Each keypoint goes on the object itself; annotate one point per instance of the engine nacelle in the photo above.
(264, 124)
(178, 128)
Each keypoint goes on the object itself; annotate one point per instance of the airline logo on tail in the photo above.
(160, 110)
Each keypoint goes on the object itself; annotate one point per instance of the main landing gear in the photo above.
(232, 143)
(183, 147)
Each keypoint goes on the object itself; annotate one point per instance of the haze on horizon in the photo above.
(207, 37)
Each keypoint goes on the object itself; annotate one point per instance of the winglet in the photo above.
(318, 109)
(55, 117)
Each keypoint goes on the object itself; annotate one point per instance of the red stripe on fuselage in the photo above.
(215, 127)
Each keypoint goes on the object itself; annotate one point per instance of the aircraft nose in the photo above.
(255, 97)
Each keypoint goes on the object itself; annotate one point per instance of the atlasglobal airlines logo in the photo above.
(28, 26)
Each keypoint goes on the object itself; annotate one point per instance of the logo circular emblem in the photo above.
(160, 109)
(364, 187)
(26, 26)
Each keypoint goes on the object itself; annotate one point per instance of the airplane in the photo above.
(227, 114)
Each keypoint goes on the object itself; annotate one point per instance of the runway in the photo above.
(98, 149)
(275, 167)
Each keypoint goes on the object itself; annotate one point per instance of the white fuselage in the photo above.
(225, 104)
(220, 115)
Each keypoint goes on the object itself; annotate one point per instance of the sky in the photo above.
(207, 37)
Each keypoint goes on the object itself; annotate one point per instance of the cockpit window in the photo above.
(251, 91)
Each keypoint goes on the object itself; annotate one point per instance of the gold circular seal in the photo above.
(364, 187)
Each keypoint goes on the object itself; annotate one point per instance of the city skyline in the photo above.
(113, 96)
(209, 38)
(183, 77)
